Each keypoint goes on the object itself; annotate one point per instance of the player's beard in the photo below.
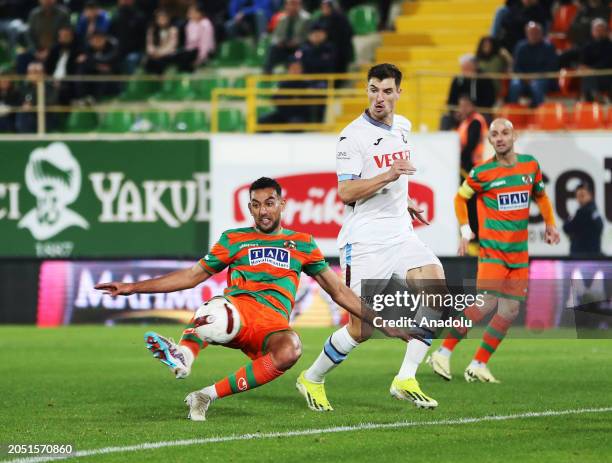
(270, 228)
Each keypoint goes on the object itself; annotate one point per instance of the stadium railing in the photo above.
(153, 104)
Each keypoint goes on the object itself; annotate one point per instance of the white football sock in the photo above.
(445, 352)
(210, 391)
(186, 351)
(415, 353)
(335, 350)
(477, 364)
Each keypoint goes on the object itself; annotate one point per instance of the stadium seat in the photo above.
(258, 56)
(139, 90)
(550, 116)
(264, 111)
(203, 87)
(232, 53)
(189, 121)
(231, 120)
(588, 116)
(562, 20)
(175, 89)
(116, 122)
(364, 19)
(82, 121)
(153, 121)
(6, 54)
(517, 114)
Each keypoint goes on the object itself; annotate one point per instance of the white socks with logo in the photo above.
(335, 350)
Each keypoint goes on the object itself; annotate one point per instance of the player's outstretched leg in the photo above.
(179, 357)
(284, 349)
(311, 382)
(439, 360)
(494, 334)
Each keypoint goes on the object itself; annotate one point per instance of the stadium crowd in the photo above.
(89, 37)
(537, 36)
(60, 38)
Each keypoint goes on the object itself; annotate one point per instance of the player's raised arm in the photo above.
(174, 281)
(346, 298)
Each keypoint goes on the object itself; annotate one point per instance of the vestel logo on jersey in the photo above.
(278, 257)
(313, 205)
(513, 201)
(386, 160)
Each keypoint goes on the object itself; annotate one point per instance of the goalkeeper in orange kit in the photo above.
(504, 186)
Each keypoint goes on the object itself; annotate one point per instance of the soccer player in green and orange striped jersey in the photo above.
(264, 266)
(504, 186)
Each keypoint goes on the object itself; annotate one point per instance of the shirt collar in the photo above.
(373, 121)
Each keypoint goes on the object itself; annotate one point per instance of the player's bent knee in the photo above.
(285, 349)
(286, 357)
(509, 309)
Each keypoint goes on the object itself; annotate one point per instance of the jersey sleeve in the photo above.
(349, 162)
(538, 181)
(316, 262)
(218, 257)
(472, 183)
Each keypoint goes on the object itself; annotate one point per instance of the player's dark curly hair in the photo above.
(384, 71)
(265, 182)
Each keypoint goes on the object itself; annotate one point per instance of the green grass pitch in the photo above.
(96, 387)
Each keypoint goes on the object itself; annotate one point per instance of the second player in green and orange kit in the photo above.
(505, 186)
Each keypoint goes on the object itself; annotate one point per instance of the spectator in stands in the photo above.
(472, 132)
(490, 58)
(13, 18)
(318, 56)
(586, 226)
(10, 99)
(162, 43)
(512, 27)
(597, 55)
(580, 30)
(248, 17)
(199, 39)
(289, 114)
(533, 55)
(339, 33)
(289, 33)
(27, 120)
(480, 91)
(45, 22)
(92, 19)
(61, 62)
(100, 58)
(129, 27)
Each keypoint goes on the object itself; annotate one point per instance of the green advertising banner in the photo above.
(104, 198)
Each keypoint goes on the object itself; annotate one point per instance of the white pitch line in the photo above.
(308, 432)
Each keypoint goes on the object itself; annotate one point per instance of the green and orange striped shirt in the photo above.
(504, 194)
(264, 266)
